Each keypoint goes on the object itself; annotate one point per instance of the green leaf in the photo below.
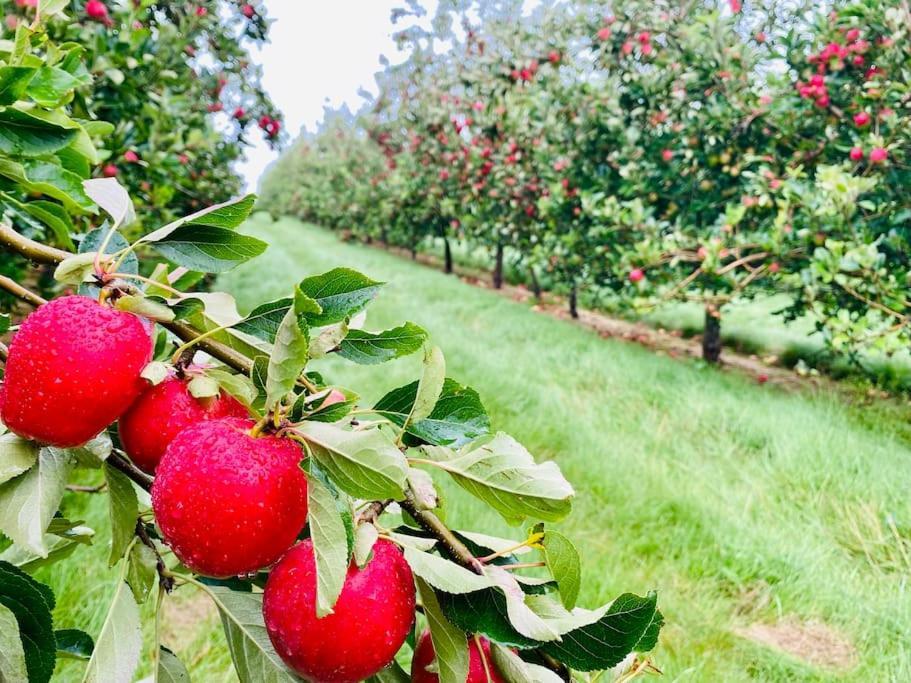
(255, 660)
(203, 386)
(498, 470)
(239, 386)
(141, 571)
(445, 575)
(514, 670)
(227, 215)
(56, 218)
(12, 655)
(50, 178)
(425, 494)
(170, 668)
(457, 418)
(155, 372)
(31, 603)
(370, 348)
(208, 249)
(123, 511)
(145, 306)
(318, 410)
(391, 674)
(365, 464)
(341, 293)
(449, 642)
(330, 545)
(430, 386)
(22, 134)
(59, 547)
(74, 644)
(13, 82)
(17, 455)
(606, 642)
(113, 198)
(76, 269)
(90, 454)
(28, 502)
(365, 537)
(265, 320)
(259, 372)
(563, 561)
(92, 243)
(522, 617)
(117, 649)
(328, 340)
(51, 85)
(290, 352)
(47, 8)
(4, 328)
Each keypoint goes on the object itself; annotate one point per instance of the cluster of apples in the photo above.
(229, 501)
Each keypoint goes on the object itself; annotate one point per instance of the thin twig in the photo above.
(20, 292)
(165, 579)
(118, 462)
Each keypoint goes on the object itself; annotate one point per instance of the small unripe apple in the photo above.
(370, 620)
(424, 656)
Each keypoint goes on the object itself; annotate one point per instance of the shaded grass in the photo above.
(737, 502)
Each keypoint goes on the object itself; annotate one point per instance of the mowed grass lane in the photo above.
(739, 503)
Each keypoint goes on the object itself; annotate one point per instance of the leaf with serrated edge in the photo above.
(17, 455)
(290, 352)
(364, 538)
(370, 348)
(74, 644)
(498, 470)
(330, 545)
(445, 575)
(513, 669)
(341, 293)
(521, 616)
(430, 385)
(227, 215)
(564, 564)
(117, 648)
(365, 464)
(449, 643)
(255, 659)
(123, 511)
(28, 502)
(12, 656)
(31, 603)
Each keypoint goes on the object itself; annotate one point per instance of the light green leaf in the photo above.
(123, 511)
(141, 570)
(563, 561)
(47, 8)
(498, 470)
(58, 548)
(22, 134)
(521, 616)
(90, 454)
(391, 674)
(255, 660)
(365, 464)
(12, 656)
(203, 386)
(113, 198)
(365, 537)
(445, 575)
(330, 545)
(13, 82)
(327, 340)
(513, 669)
(430, 386)
(155, 372)
(290, 351)
(449, 643)
(145, 307)
(240, 387)
(17, 455)
(341, 293)
(117, 648)
(76, 269)
(370, 348)
(170, 668)
(28, 502)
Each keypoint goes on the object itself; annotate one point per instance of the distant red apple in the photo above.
(667, 154)
(856, 153)
(636, 275)
(95, 9)
(553, 57)
(130, 156)
(878, 155)
(239, 113)
(248, 11)
(109, 171)
(604, 33)
(861, 119)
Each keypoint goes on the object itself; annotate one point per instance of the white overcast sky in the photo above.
(320, 51)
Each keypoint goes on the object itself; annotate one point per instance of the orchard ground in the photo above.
(768, 521)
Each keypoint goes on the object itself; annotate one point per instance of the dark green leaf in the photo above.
(341, 293)
(264, 320)
(208, 249)
(141, 571)
(123, 511)
(227, 216)
(370, 348)
(24, 135)
(13, 82)
(170, 668)
(31, 603)
(457, 418)
(73, 643)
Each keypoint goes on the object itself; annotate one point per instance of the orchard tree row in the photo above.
(642, 152)
(230, 464)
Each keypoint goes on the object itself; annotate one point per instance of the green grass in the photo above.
(739, 503)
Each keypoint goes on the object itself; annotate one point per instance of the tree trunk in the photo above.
(711, 335)
(447, 256)
(414, 251)
(574, 301)
(498, 268)
(535, 285)
(384, 237)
